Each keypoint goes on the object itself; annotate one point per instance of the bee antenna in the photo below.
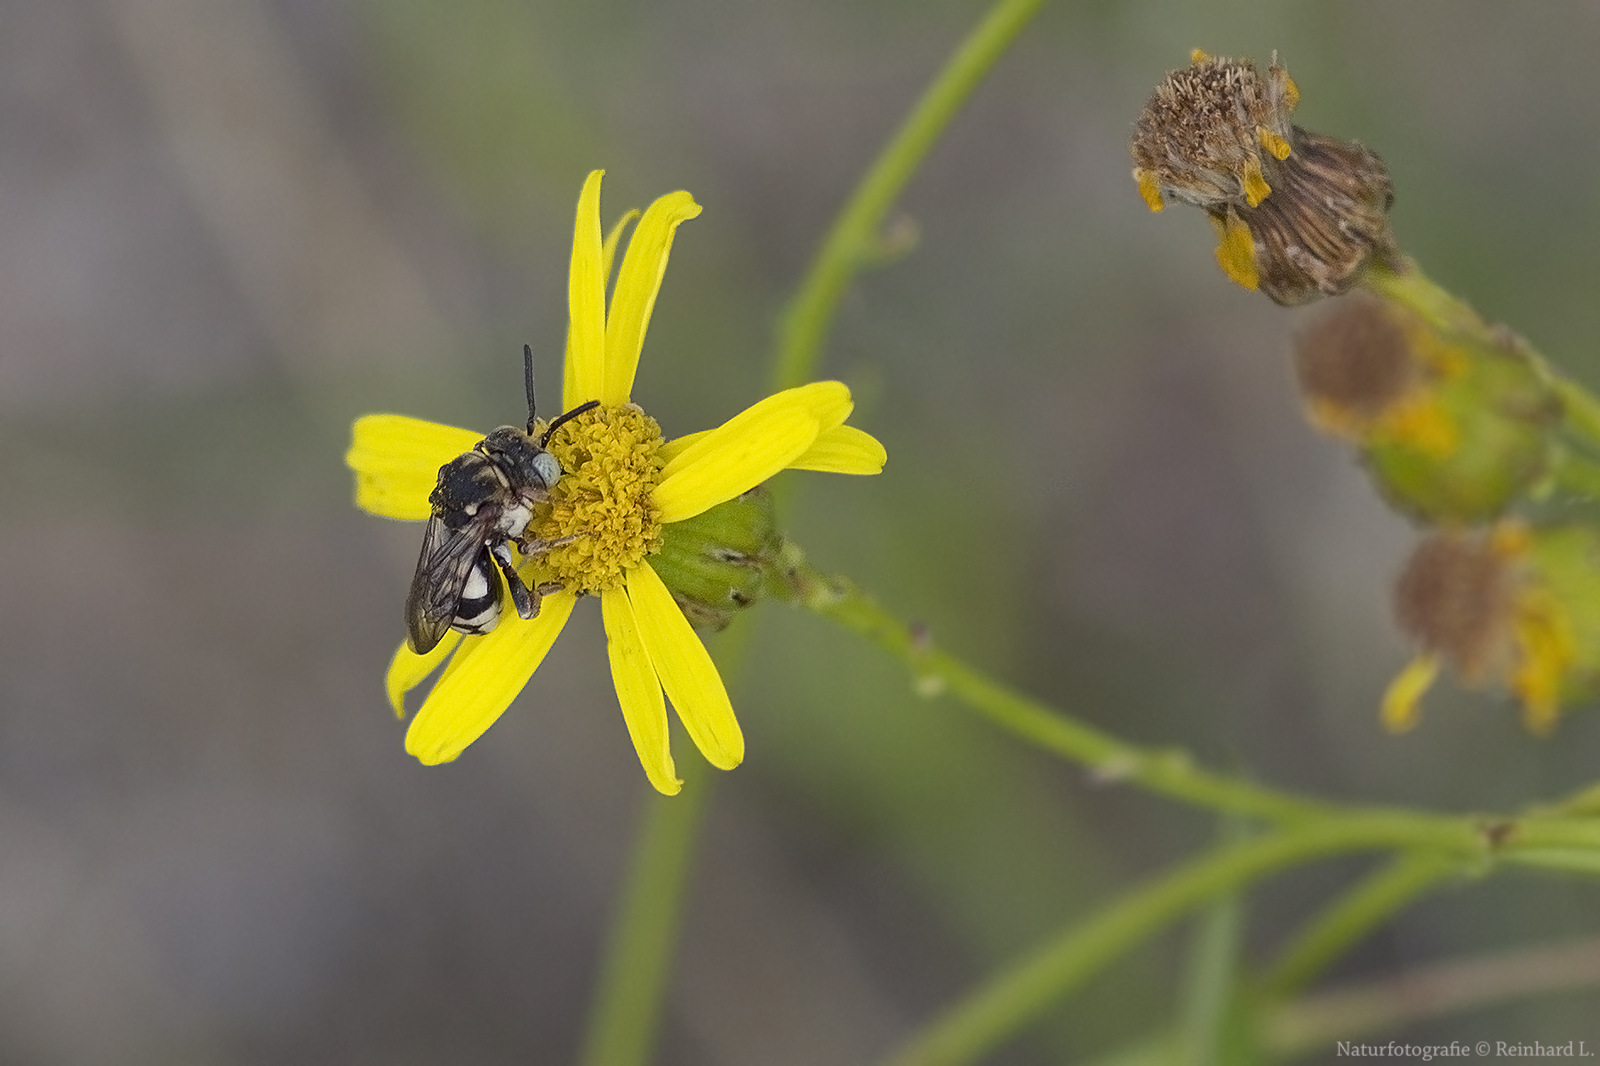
(527, 380)
(574, 413)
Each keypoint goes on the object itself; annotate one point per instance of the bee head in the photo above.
(524, 462)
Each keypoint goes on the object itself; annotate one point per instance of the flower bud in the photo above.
(1451, 429)
(715, 563)
(1515, 606)
(1298, 215)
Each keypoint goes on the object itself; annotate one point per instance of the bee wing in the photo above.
(442, 569)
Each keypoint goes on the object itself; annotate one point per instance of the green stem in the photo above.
(633, 975)
(1355, 914)
(1171, 773)
(1211, 986)
(1579, 406)
(851, 241)
(1575, 473)
(1409, 287)
(1002, 1005)
(1314, 1023)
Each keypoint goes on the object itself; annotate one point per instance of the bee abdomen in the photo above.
(479, 609)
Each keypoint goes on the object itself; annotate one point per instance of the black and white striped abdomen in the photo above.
(479, 609)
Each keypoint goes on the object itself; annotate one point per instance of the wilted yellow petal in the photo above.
(1236, 251)
(843, 450)
(686, 670)
(739, 462)
(586, 300)
(635, 295)
(1402, 703)
(639, 691)
(476, 690)
(569, 366)
(407, 669)
(828, 402)
(397, 459)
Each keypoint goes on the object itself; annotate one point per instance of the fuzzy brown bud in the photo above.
(1354, 362)
(1455, 599)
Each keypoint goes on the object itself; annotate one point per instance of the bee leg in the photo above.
(539, 547)
(526, 600)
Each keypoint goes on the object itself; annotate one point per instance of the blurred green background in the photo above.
(228, 227)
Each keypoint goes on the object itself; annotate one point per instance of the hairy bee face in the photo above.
(521, 458)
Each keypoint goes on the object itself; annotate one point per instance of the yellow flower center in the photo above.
(610, 465)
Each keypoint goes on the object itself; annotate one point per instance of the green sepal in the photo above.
(715, 563)
(1502, 412)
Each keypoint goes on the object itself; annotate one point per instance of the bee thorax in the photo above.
(515, 518)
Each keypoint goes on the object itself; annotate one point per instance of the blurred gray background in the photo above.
(229, 226)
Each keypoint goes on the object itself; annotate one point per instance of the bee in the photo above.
(483, 502)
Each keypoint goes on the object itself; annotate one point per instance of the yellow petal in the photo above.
(586, 300)
(407, 669)
(639, 691)
(1149, 188)
(738, 462)
(1402, 703)
(1256, 188)
(397, 461)
(843, 450)
(827, 401)
(675, 447)
(686, 670)
(477, 688)
(569, 366)
(1236, 251)
(1279, 147)
(635, 295)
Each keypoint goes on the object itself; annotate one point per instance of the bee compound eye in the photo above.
(548, 467)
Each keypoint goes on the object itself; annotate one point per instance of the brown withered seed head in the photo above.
(1354, 360)
(1207, 134)
(1455, 598)
(1327, 218)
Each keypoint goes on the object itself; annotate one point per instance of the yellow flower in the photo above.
(621, 483)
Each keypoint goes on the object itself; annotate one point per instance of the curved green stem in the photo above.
(855, 233)
(633, 974)
(1003, 1004)
(1355, 914)
(1171, 773)
(1562, 838)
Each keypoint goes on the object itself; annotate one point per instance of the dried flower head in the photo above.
(1211, 133)
(1328, 220)
(1452, 430)
(1455, 598)
(1298, 215)
(1515, 606)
